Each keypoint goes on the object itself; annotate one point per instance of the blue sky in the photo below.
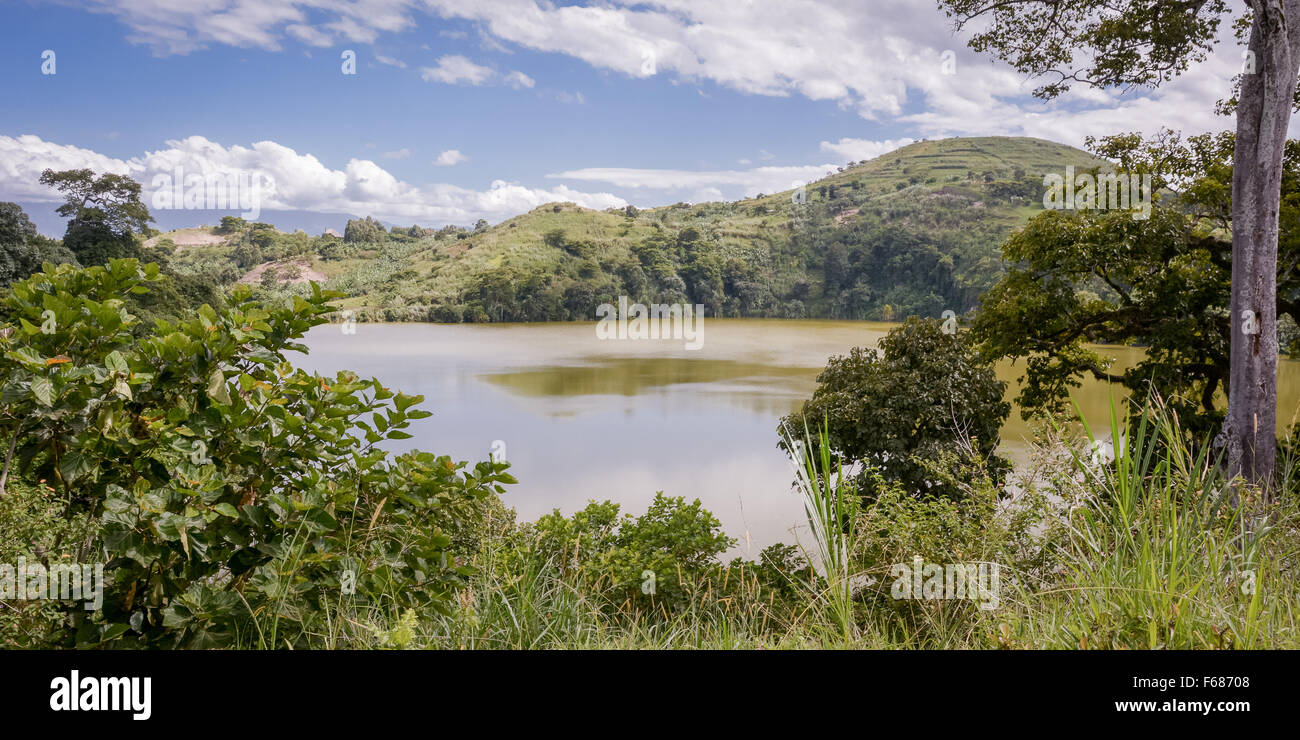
(522, 101)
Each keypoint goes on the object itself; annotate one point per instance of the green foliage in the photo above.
(35, 527)
(231, 225)
(1135, 42)
(831, 505)
(364, 230)
(108, 200)
(104, 212)
(95, 243)
(925, 396)
(234, 493)
(1081, 278)
(18, 254)
(650, 560)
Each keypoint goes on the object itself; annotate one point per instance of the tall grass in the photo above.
(1154, 553)
(830, 507)
(1143, 551)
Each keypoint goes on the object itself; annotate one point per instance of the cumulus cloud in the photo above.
(450, 158)
(289, 180)
(853, 150)
(889, 61)
(390, 61)
(23, 158)
(402, 153)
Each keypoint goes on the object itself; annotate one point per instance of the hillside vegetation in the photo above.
(916, 231)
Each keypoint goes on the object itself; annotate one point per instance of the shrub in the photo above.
(235, 495)
(653, 559)
(923, 395)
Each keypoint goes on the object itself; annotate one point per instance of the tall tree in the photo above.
(105, 212)
(1144, 43)
(17, 257)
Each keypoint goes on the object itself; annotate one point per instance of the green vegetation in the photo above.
(914, 232)
(230, 492)
(922, 411)
(236, 501)
(1080, 278)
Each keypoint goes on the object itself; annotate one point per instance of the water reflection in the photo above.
(589, 419)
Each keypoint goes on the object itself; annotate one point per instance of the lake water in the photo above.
(582, 418)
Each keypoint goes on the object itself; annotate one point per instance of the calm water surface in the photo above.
(584, 419)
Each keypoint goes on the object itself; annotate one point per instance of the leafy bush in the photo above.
(924, 396)
(235, 494)
(672, 546)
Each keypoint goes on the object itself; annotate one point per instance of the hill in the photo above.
(916, 231)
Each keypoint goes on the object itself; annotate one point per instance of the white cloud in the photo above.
(23, 158)
(310, 35)
(450, 158)
(853, 150)
(293, 181)
(882, 60)
(402, 153)
(752, 181)
(390, 61)
(517, 79)
(454, 69)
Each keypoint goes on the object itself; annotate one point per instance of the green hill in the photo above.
(916, 231)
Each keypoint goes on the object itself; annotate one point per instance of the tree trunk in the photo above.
(1249, 437)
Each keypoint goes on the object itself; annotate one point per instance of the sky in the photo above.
(440, 112)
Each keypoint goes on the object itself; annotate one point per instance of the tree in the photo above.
(247, 254)
(18, 257)
(1163, 283)
(104, 212)
(554, 238)
(95, 243)
(924, 396)
(270, 277)
(366, 230)
(1145, 43)
(231, 225)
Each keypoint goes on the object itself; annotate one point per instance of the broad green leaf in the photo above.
(43, 389)
(217, 389)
